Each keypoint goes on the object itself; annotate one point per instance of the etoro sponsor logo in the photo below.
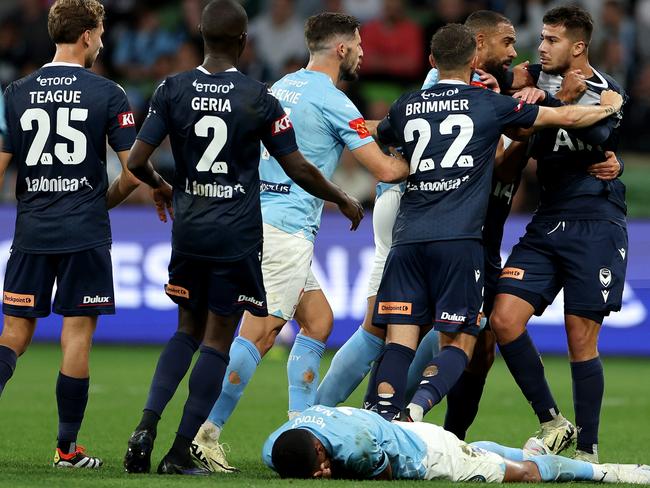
(397, 308)
(254, 301)
(96, 301)
(514, 273)
(452, 317)
(18, 299)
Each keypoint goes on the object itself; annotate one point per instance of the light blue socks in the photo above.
(303, 372)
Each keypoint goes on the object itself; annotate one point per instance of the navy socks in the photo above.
(71, 399)
(588, 391)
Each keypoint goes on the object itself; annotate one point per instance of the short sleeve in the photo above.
(346, 121)
(511, 112)
(121, 122)
(277, 135)
(155, 128)
(366, 459)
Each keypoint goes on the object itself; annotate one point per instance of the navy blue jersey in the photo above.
(450, 133)
(215, 123)
(563, 156)
(58, 119)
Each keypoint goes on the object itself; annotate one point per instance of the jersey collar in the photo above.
(452, 82)
(61, 63)
(203, 70)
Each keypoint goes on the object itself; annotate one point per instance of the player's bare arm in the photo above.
(123, 185)
(312, 180)
(389, 169)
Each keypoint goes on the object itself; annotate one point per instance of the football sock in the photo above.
(349, 367)
(462, 403)
(559, 468)
(244, 358)
(8, 360)
(370, 398)
(390, 386)
(526, 367)
(511, 453)
(180, 451)
(149, 421)
(303, 372)
(71, 399)
(428, 348)
(174, 361)
(440, 376)
(204, 385)
(588, 391)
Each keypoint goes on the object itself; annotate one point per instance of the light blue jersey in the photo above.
(431, 79)
(325, 121)
(360, 440)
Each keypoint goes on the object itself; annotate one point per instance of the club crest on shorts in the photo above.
(605, 276)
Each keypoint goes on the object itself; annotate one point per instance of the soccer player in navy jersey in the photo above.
(216, 118)
(576, 207)
(58, 120)
(434, 272)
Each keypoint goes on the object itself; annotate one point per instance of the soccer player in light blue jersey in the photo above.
(326, 122)
(350, 443)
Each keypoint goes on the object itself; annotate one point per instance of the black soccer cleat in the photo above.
(138, 455)
(404, 416)
(169, 466)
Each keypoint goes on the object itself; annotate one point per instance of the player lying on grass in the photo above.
(351, 443)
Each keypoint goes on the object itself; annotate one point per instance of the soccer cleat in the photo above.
(587, 457)
(76, 459)
(403, 416)
(552, 438)
(212, 456)
(168, 466)
(638, 474)
(138, 455)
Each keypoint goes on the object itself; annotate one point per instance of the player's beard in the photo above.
(349, 69)
(495, 68)
(90, 60)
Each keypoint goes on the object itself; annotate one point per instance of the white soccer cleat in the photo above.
(77, 459)
(212, 457)
(552, 438)
(586, 456)
(638, 474)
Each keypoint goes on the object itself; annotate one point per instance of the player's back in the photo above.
(58, 120)
(450, 133)
(324, 121)
(563, 157)
(215, 123)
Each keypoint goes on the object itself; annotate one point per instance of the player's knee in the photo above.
(530, 473)
(15, 340)
(582, 348)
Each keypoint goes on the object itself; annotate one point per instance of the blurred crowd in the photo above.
(146, 40)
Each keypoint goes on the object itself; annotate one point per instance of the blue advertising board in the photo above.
(342, 264)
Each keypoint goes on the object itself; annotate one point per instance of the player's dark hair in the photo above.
(68, 19)
(223, 22)
(320, 28)
(453, 47)
(294, 454)
(484, 20)
(575, 20)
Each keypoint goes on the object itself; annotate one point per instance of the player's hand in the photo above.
(488, 80)
(353, 210)
(610, 97)
(573, 86)
(531, 95)
(324, 471)
(608, 169)
(162, 198)
(521, 76)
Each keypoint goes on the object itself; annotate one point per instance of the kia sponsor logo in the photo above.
(126, 119)
(281, 125)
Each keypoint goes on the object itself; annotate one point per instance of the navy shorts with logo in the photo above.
(225, 288)
(587, 258)
(437, 283)
(84, 284)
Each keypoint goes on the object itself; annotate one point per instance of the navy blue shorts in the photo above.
(437, 283)
(84, 284)
(586, 258)
(225, 288)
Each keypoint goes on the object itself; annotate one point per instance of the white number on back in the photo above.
(219, 137)
(454, 153)
(64, 115)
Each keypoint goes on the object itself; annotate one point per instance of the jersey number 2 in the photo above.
(64, 116)
(219, 137)
(454, 153)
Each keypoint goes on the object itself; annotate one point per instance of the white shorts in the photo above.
(450, 459)
(383, 219)
(286, 268)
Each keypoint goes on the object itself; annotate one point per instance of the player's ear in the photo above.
(432, 61)
(579, 48)
(474, 62)
(480, 40)
(341, 50)
(242, 42)
(85, 37)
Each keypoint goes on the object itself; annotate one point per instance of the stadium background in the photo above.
(148, 40)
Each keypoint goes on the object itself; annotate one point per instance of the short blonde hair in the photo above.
(68, 19)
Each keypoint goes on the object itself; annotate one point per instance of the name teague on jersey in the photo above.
(58, 119)
(214, 122)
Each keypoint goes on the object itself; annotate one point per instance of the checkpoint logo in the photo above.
(18, 299)
(395, 308)
(359, 126)
(126, 119)
(514, 273)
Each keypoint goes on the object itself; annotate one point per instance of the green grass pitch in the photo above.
(120, 379)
